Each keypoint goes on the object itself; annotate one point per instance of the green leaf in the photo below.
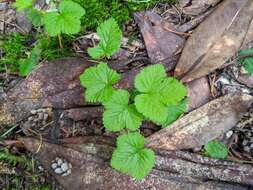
(247, 62)
(157, 93)
(98, 81)
(131, 157)
(66, 21)
(110, 40)
(23, 4)
(27, 65)
(216, 149)
(36, 17)
(119, 114)
(174, 112)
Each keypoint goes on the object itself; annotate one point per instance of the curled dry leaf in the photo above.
(208, 33)
(89, 157)
(203, 124)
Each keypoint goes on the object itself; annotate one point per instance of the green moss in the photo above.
(50, 47)
(99, 10)
(14, 48)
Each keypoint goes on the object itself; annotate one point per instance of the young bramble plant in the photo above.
(247, 62)
(216, 149)
(156, 97)
(65, 19)
(110, 40)
(124, 114)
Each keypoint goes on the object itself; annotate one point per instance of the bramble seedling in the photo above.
(65, 19)
(154, 90)
(216, 149)
(247, 62)
(110, 40)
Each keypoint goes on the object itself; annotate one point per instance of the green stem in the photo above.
(60, 41)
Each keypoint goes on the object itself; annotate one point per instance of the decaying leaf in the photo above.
(203, 124)
(226, 46)
(89, 157)
(199, 93)
(206, 34)
(161, 44)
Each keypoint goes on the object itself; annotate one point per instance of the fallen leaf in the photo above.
(206, 34)
(225, 47)
(203, 124)
(198, 92)
(160, 43)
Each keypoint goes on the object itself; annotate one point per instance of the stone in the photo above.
(64, 167)
(58, 171)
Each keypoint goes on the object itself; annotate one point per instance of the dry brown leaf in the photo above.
(226, 46)
(202, 125)
(206, 34)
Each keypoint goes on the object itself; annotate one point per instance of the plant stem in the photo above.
(60, 41)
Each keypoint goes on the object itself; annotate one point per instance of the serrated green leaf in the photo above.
(23, 4)
(36, 17)
(157, 93)
(98, 81)
(27, 65)
(174, 112)
(67, 6)
(119, 114)
(110, 40)
(66, 21)
(131, 157)
(216, 149)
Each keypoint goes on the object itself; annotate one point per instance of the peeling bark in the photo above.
(203, 124)
(173, 170)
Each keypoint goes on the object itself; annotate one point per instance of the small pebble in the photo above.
(58, 171)
(67, 173)
(33, 112)
(251, 139)
(30, 118)
(41, 168)
(229, 134)
(59, 162)
(54, 165)
(64, 167)
(251, 146)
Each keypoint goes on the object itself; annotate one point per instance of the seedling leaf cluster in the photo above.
(156, 97)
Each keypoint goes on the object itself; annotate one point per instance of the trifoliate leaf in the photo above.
(119, 114)
(247, 62)
(36, 17)
(157, 93)
(131, 157)
(66, 20)
(174, 112)
(98, 81)
(216, 149)
(27, 65)
(110, 40)
(23, 4)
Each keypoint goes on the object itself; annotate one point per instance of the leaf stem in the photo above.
(60, 41)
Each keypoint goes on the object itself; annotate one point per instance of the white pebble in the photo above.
(54, 165)
(64, 167)
(67, 173)
(229, 134)
(33, 112)
(58, 171)
(59, 162)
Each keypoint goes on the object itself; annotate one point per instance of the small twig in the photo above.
(15, 25)
(176, 32)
